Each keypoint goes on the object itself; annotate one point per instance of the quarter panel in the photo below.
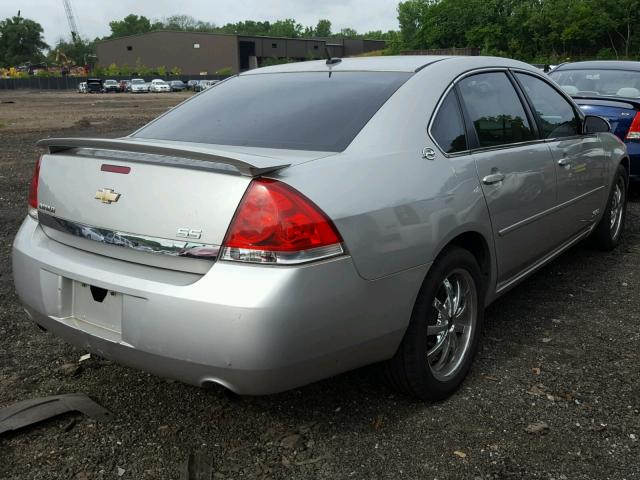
(394, 208)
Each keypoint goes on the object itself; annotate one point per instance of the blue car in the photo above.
(609, 89)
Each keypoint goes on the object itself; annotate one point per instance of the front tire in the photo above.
(440, 343)
(607, 234)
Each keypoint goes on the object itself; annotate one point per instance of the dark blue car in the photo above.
(609, 89)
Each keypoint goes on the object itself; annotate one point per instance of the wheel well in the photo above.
(477, 245)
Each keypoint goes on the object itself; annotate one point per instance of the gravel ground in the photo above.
(562, 349)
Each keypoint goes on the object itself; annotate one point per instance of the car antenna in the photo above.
(330, 60)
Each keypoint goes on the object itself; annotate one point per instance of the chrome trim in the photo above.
(246, 255)
(139, 243)
(469, 151)
(501, 287)
(553, 209)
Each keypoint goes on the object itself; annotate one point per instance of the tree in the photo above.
(76, 51)
(286, 28)
(323, 29)
(180, 22)
(20, 41)
(132, 25)
(112, 70)
(347, 33)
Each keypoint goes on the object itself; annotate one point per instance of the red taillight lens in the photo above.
(276, 224)
(33, 190)
(634, 129)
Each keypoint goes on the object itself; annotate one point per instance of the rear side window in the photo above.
(447, 128)
(556, 116)
(495, 109)
(306, 111)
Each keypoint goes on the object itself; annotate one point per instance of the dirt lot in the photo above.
(562, 348)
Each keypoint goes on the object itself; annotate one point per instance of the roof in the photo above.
(382, 64)
(308, 39)
(600, 65)
(401, 63)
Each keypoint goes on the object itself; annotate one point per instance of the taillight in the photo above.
(33, 190)
(634, 129)
(278, 225)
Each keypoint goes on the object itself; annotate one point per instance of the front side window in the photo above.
(447, 128)
(305, 111)
(556, 116)
(495, 109)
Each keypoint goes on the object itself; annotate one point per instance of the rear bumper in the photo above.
(253, 329)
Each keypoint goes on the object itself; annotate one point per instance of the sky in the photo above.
(93, 16)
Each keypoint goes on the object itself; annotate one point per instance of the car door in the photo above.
(578, 157)
(517, 173)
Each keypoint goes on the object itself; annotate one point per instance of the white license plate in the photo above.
(91, 305)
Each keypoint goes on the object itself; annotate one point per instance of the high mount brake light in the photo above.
(276, 224)
(33, 190)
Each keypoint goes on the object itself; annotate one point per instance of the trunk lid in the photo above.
(619, 113)
(165, 204)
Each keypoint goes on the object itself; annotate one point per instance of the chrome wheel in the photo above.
(617, 208)
(449, 339)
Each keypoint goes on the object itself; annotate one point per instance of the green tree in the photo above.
(286, 28)
(77, 51)
(141, 69)
(347, 33)
(112, 70)
(20, 41)
(323, 29)
(132, 25)
(225, 72)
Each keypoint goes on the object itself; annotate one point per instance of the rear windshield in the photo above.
(605, 83)
(301, 111)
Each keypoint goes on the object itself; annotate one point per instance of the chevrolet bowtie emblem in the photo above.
(107, 195)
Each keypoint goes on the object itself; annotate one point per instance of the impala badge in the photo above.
(107, 195)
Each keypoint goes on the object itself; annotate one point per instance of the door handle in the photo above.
(564, 162)
(493, 178)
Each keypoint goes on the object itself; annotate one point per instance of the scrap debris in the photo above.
(28, 412)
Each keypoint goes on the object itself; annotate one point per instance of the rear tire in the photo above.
(441, 340)
(607, 234)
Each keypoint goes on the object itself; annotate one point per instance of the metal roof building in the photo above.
(206, 53)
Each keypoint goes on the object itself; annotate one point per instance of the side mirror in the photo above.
(594, 124)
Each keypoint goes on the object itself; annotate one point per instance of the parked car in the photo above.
(610, 89)
(192, 83)
(111, 86)
(177, 85)
(94, 85)
(318, 217)
(158, 85)
(138, 85)
(82, 87)
(203, 85)
(125, 85)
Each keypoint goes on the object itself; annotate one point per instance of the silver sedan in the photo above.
(297, 221)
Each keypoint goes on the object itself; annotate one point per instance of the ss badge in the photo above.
(189, 233)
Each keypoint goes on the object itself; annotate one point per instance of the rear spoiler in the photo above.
(620, 102)
(246, 164)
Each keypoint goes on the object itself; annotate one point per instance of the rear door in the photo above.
(515, 168)
(579, 158)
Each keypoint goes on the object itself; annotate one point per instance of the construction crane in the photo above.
(75, 33)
